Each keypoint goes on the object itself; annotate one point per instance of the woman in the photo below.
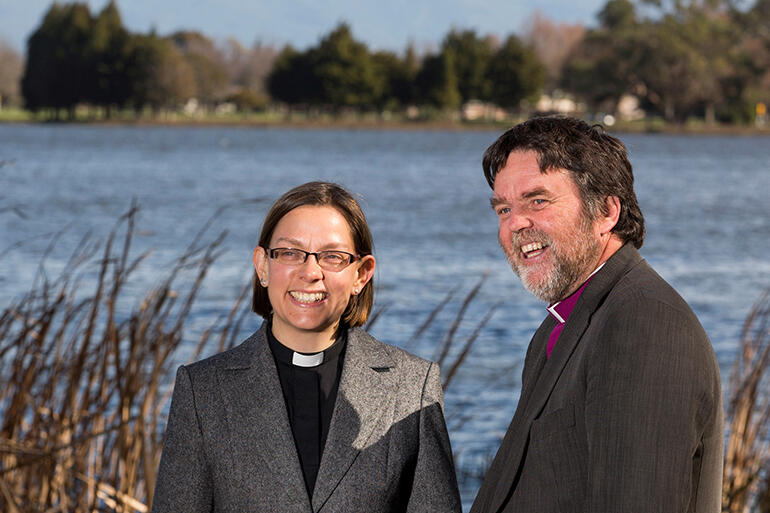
(309, 414)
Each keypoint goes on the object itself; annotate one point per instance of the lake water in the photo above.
(706, 201)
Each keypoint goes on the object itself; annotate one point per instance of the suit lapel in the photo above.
(508, 458)
(534, 398)
(366, 393)
(258, 419)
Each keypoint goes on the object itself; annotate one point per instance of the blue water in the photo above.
(705, 200)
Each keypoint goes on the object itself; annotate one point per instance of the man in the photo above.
(620, 407)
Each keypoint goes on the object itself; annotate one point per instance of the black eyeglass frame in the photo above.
(317, 254)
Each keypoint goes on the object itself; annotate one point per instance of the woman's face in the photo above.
(307, 300)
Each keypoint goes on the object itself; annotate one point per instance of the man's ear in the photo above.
(609, 215)
(260, 265)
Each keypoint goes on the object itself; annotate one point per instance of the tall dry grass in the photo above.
(82, 390)
(747, 453)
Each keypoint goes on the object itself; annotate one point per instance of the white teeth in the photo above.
(532, 246)
(305, 297)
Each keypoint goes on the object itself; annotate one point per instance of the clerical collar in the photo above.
(561, 310)
(288, 356)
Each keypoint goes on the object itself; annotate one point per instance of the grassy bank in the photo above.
(430, 120)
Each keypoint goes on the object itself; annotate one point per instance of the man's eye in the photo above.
(503, 210)
(539, 202)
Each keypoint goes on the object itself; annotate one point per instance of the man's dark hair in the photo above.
(597, 162)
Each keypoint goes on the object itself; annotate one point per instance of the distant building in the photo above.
(558, 103)
(474, 110)
(628, 108)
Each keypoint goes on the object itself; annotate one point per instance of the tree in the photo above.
(59, 69)
(345, 70)
(160, 75)
(207, 64)
(515, 74)
(552, 44)
(248, 68)
(11, 69)
(437, 83)
(397, 76)
(470, 56)
(110, 46)
(292, 79)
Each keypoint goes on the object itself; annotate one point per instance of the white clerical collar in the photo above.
(552, 309)
(307, 360)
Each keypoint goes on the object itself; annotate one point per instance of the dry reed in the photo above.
(83, 387)
(747, 451)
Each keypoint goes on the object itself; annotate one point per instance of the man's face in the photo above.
(549, 241)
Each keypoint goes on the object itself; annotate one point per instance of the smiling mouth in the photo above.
(308, 297)
(533, 249)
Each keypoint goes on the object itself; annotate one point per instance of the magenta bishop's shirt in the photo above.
(561, 312)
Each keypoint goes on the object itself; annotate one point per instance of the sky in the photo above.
(387, 25)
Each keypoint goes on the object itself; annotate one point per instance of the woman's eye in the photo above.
(333, 258)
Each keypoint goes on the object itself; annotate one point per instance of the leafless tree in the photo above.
(552, 42)
(11, 68)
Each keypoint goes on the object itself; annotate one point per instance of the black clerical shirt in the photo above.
(309, 393)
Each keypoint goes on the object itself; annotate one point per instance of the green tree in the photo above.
(436, 81)
(604, 66)
(397, 76)
(684, 63)
(345, 70)
(161, 77)
(515, 73)
(471, 56)
(292, 79)
(59, 71)
(110, 47)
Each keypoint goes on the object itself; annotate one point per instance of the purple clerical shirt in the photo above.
(561, 312)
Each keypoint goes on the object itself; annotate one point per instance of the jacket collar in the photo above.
(257, 411)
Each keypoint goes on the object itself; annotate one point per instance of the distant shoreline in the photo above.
(369, 122)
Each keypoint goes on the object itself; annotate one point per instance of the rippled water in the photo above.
(705, 200)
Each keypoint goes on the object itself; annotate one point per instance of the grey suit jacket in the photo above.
(625, 415)
(229, 446)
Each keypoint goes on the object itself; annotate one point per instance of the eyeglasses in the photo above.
(327, 260)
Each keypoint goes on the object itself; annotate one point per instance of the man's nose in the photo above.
(517, 221)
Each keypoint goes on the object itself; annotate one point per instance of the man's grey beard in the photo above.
(572, 264)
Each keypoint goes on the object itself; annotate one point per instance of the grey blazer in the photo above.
(625, 415)
(229, 446)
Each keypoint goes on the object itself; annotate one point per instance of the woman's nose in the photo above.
(310, 268)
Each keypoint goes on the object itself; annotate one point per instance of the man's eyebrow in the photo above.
(495, 201)
(539, 191)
